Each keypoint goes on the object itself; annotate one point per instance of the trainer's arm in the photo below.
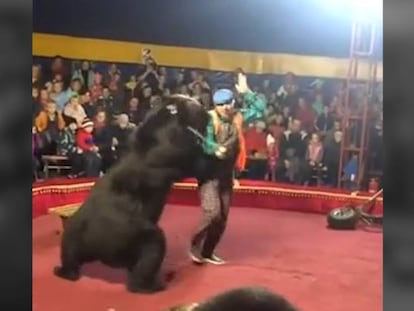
(209, 144)
(255, 106)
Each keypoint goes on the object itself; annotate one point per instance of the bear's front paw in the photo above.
(66, 274)
(154, 287)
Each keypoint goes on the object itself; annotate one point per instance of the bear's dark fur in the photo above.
(241, 299)
(117, 224)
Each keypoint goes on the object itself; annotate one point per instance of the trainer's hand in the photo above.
(241, 85)
(221, 152)
(236, 183)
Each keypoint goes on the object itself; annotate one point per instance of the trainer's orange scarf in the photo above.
(238, 122)
(242, 157)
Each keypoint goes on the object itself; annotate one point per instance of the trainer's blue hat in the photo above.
(223, 96)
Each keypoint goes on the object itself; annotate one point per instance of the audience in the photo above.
(102, 135)
(85, 74)
(67, 147)
(73, 110)
(121, 132)
(331, 154)
(292, 146)
(49, 122)
(314, 156)
(136, 111)
(86, 146)
(87, 115)
(325, 121)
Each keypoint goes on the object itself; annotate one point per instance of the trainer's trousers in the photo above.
(215, 197)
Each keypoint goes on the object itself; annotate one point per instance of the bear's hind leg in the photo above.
(70, 268)
(144, 275)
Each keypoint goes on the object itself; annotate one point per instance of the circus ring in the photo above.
(276, 237)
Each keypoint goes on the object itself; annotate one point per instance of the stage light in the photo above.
(360, 10)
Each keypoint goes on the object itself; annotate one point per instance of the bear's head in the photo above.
(168, 137)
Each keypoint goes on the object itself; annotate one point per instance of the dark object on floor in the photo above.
(348, 216)
(343, 218)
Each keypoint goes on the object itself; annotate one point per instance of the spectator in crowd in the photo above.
(178, 82)
(266, 89)
(131, 87)
(325, 121)
(290, 167)
(162, 82)
(313, 157)
(287, 116)
(255, 138)
(196, 91)
(66, 146)
(121, 132)
(85, 74)
(88, 105)
(155, 101)
(272, 143)
(149, 75)
(306, 115)
(198, 78)
(106, 102)
(288, 91)
(376, 155)
(335, 107)
(276, 127)
(74, 111)
(146, 95)
(75, 87)
(36, 107)
(102, 134)
(256, 149)
(49, 123)
(49, 87)
(58, 95)
(206, 99)
(90, 152)
(329, 135)
(135, 111)
(36, 146)
(183, 90)
(318, 105)
(116, 89)
(331, 154)
(110, 74)
(97, 87)
(44, 97)
(58, 78)
(58, 68)
(36, 76)
(163, 72)
(350, 173)
(166, 92)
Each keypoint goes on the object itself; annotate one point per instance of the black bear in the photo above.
(117, 223)
(241, 299)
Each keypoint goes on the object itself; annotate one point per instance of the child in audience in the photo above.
(87, 147)
(49, 122)
(314, 156)
(67, 147)
(272, 156)
(314, 152)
